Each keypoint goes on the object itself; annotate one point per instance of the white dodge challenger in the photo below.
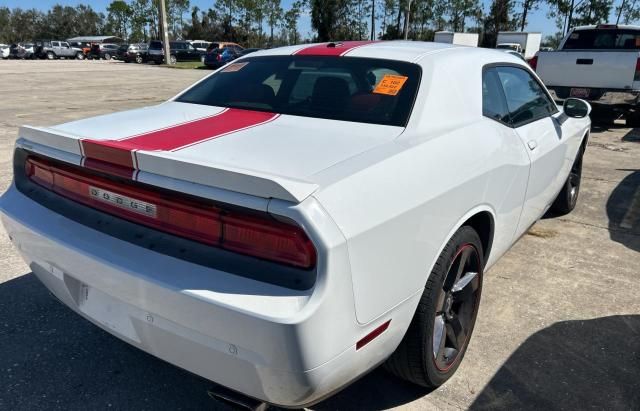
(301, 215)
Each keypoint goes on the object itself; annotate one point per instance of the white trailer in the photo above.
(463, 39)
(527, 44)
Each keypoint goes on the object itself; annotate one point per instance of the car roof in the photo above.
(401, 50)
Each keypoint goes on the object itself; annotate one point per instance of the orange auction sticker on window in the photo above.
(390, 84)
(234, 67)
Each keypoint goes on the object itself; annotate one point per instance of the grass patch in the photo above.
(186, 65)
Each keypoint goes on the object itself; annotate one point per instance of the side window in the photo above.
(64, 44)
(55, 44)
(526, 99)
(494, 105)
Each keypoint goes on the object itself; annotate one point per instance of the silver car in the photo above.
(55, 49)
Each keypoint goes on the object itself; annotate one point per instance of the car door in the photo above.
(182, 52)
(512, 177)
(192, 52)
(534, 117)
(55, 47)
(65, 49)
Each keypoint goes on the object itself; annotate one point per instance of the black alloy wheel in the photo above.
(435, 343)
(568, 196)
(457, 307)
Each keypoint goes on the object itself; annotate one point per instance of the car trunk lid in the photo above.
(256, 153)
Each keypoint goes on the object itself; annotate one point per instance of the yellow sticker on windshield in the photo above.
(234, 67)
(390, 84)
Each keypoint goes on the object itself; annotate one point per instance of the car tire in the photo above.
(50, 55)
(107, 56)
(139, 59)
(632, 119)
(439, 334)
(173, 59)
(568, 196)
(79, 56)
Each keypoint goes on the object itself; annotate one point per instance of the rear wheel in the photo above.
(632, 119)
(107, 56)
(80, 55)
(439, 334)
(173, 59)
(568, 196)
(50, 55)
(138, 59)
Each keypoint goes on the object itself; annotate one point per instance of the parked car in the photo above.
(21, 51)
(200, 45)
(600, 64)
(219, 57)
(134, 53)
(53, 49)
(84, 46)
(105, 51)
(275, 227)
(5, 50)
(223, 44)
(180, 51)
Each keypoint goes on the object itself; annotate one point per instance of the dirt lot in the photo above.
(559, 323)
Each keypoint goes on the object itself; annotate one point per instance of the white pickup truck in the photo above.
(600, 64)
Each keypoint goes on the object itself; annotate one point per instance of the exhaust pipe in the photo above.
(236, 400)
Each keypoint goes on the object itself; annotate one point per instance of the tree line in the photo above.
(265, 23)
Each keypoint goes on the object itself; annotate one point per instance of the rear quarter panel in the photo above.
(398, 214)
(398, 204)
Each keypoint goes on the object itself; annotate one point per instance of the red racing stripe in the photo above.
(340, 49)
(122, 152)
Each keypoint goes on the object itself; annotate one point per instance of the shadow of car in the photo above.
(578, 364)
(623, 211)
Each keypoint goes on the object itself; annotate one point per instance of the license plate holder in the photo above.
(580, 92)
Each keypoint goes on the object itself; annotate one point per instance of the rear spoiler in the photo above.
(153, 164)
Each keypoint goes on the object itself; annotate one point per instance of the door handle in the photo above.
(532, 144)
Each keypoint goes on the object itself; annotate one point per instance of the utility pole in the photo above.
(373, 19)
(165, 33)
(406, 20)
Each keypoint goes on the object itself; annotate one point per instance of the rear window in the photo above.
(603, 39)
(338, 88)
(155, 45)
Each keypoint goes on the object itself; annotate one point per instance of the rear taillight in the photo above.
(253, 234)
(636, 75)
(533, 62)
(219, 57)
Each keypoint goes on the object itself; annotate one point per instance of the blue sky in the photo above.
(537, 21)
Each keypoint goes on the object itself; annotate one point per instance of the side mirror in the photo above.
(576, 108)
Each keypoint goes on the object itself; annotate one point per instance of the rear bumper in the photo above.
(282, 346)
(599, 96)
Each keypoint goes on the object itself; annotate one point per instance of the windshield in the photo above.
(339, 88)
(603, 39)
